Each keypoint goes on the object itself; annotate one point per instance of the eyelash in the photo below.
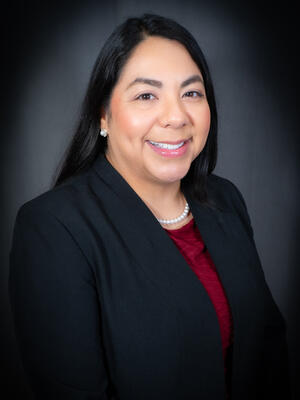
(146, 94)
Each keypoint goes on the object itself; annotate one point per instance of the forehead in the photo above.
(159, 57)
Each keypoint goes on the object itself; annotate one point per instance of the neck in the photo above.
(167, 203)
(165, 200)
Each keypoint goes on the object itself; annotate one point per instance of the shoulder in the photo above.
(60, 201)
(62, 215)
(228, 198)
(224, 193)
(75, 211)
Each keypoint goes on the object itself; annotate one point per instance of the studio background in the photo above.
(48, 52)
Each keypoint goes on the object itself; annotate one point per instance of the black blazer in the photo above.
(106, 307)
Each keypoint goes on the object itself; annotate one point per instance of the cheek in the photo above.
(131, 122)
(204, 121)
(203, 126)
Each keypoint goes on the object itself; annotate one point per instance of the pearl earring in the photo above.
(103, 132)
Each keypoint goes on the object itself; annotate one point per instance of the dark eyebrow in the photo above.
(191, 79)
(153, 82)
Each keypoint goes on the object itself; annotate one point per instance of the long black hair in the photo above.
(86, 143)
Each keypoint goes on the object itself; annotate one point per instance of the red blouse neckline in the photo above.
(183, 228)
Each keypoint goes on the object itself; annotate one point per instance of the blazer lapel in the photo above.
(165, 267)
(151, 245)
(236, 262)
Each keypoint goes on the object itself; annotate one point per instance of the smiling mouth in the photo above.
(167, 146)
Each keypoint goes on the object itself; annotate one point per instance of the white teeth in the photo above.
(167, 145)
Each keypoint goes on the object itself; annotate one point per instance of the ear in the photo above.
(103, 119)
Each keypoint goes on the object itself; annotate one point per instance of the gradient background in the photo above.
(48, 51)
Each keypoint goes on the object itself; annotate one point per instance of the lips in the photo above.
(167, 145)
(169, 149)
(170, 141)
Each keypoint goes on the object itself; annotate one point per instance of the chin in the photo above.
(172, 174)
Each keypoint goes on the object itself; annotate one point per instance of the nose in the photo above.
(173, 114)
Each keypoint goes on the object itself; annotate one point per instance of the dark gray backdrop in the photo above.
(48, 52)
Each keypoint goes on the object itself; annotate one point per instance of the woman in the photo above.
(137, 275)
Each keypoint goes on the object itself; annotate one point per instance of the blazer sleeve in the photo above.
(241, 209)
(56, 310)
(276, 354)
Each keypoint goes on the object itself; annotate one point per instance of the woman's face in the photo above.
(160, 117)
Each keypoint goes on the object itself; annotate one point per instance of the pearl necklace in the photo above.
(178, 219)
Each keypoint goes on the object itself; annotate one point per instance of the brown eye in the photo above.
(194, 93)
(144, 96)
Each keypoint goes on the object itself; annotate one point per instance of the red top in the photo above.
(191, 245)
